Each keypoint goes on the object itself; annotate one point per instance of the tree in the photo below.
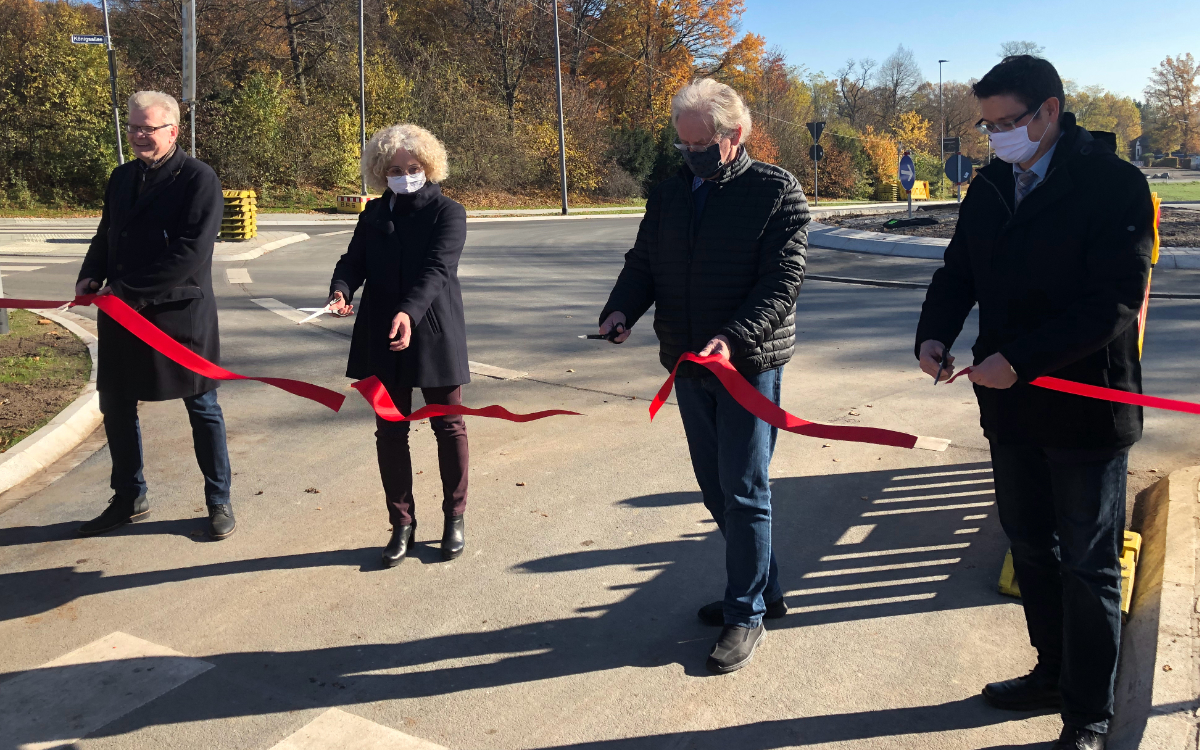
(854, 87)
(896, 81)
(1097, 109)
(583, 16)
(508, 33)
(1173, 91)
(1011, 49)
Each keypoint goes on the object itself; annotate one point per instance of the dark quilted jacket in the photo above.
(738, 273)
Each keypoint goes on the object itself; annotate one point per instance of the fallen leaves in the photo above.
(520, 484)
(586, 543)
(313, 491)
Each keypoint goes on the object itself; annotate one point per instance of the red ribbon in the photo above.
(1104, 394)
(377, 396)
(766, 410)
(175, 351)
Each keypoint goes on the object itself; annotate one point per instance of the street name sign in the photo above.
(88, 39)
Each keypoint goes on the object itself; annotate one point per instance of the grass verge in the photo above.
(43, 367)
(1176, 191)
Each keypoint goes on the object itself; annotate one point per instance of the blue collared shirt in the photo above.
(1040, 167)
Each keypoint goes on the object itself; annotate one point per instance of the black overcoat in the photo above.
(737, 271)
(156, 254)
(1059, 282)
(406, 260)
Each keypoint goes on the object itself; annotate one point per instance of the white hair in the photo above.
(717, 103)
(144, 101)
(416, 140)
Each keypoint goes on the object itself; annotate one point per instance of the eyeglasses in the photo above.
(402, 171)
(147, 129)
(685, 147)
(1004, 127)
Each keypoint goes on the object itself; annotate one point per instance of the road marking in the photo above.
(62, 701)
(942, 496)
(346, 731)
(872, 585)
(906, 551)
(967, 531)
(898, 511)
(7, 267)
(277, 307)
(863, 603)
(977, 517)
(330, 234)
(881, 568)
(238, 275)
(936, 486)
(942, 474)
(25, 259)
(856, 534)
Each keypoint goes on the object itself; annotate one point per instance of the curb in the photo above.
(262, 249)
(63, 433)
(1157, 679)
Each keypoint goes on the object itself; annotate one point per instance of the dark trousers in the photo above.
(395, 461)
(731, 453)
(208, 439)
(1065, 517)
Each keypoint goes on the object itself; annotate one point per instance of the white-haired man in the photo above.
(153, 249)
(721, 253)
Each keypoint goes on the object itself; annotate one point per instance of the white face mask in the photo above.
(1014, 145)
(408, 183)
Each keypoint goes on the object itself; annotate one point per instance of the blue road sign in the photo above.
(908, 172)
(88, 39)
(959, 169)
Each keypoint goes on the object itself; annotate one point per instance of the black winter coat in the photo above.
(737, 272)
(408, 260)
(1059, 282)
(156, 254)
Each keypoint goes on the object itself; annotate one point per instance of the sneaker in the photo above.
(714, 614)
(735, 648)
(1036, 690)
(221, 521)
(119, 512)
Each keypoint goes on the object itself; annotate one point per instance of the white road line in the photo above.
(64, 700)
(856, 534)
(881, 568)
(6, 267)
(905, 551)
(936, 486)
(872, 585)
(238, 275)
(941, 496)
(942, 474)
(346, 731)
(898, 511)
(25, 259)
(330, 234)
(277, 307)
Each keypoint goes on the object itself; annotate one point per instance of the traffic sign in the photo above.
(88, 39)
(959, 169)
(908, 172)
(815, 129)
(951, 145)
(816, 152)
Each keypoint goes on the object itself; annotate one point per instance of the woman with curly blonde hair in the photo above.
(410, 332)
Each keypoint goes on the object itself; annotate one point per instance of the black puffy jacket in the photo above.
(736, 272)
(1059, 282)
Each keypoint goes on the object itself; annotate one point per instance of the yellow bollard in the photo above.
(353, 204)
(240, 219)
(1131, 549)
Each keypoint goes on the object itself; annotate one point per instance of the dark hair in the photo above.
(1030, 79)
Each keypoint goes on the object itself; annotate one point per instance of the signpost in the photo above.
(908, 177)
(106, 39)
(950, 145)
(959, 170)
(816, 153)
(189, 66)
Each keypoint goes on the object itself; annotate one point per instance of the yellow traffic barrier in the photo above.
(1153, 261)
(920, 191)
(353, 204)
(239, 220)
(1131, 550)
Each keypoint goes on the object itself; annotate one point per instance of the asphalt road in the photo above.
(570, 620)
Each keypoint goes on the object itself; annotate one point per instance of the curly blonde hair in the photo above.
(418, 141)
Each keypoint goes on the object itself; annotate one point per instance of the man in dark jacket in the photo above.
(153, 250)
(720, 253)
(1053, 243)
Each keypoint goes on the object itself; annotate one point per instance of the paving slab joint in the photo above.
(67, 430)
(1158, 678)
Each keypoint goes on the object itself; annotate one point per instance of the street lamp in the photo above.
(942, 107)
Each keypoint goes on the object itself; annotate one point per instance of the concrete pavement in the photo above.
(570, 621)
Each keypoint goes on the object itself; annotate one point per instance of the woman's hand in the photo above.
(401, 333)
(612, 321)
(719, 346)
(338, 306)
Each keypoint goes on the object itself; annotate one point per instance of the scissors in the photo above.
(612, 334)
(318, 312)
(942, 365)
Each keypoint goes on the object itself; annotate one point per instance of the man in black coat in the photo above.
(153, 250)
(720, 254)
(1053, 243)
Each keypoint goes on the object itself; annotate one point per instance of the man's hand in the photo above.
(719, 346)
(993, 372)
(338, 306)
(86, 286)
(931, 359)
(401, 333)
(611, 322)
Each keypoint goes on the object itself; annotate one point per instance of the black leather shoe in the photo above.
(454, 537)
(1074, 738)
(220, 521)
(397, 547)
(735, 648)
(119, 512)
(714, 614)
(1038, 689)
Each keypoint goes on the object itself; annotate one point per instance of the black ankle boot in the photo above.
(454, 537)
(120, 511)
(397, 547)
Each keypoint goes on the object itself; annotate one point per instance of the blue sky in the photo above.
(1104, 42)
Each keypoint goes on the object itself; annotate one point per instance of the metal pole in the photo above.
(3, 313)
(195, 72)
(362, 92)
(942, 107)
(112, 80)
(562, 133)
(816, 182)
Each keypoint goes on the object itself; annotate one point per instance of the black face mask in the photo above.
(706, 163)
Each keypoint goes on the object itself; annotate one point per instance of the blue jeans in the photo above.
(731, 455)
(1064, 514)
(208, 438)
